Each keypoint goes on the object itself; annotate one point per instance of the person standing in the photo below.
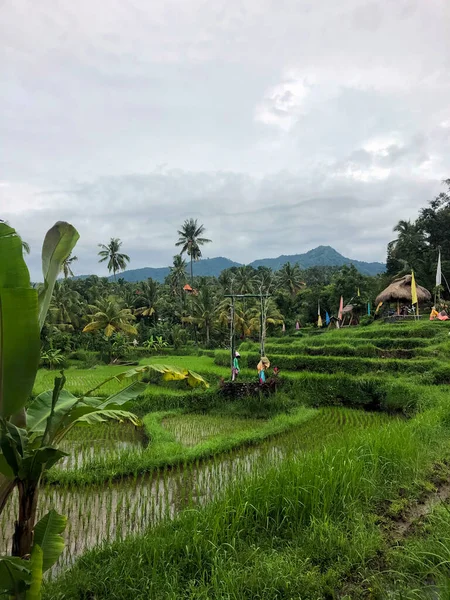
(235, 370)
(262, 366)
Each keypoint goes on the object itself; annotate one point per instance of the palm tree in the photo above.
(110, 316)
(116, 260)
(226, 279)
(66, 266)
(177, 276)
(261, 316)
(65, 307)
(205, 310)
(244, 280)
(146, 298)
(289, 278)
(190, 241)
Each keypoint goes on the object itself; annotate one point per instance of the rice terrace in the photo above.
(250, 435)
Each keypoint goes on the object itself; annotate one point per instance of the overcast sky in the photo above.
(279, 124)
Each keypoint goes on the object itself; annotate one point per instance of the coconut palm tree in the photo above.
(190, 241)
(244, 280)
(109, 315)
(205, 310)
(267, 313)
(66, 268)
(289, 278)
(117, 261)
(226, 279)
(177, 275)
(65, 310)
(146, 298)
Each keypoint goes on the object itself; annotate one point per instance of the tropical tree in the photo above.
(244, 280)
(117, 261)
(146, 298)
(191, 241)
(205, 310)
(67, 266)
(263, 314)
(289, 279)
(226, 280)
(65, 311)
(110, 316)
(177, 275)
(24, 456)
(28, 439)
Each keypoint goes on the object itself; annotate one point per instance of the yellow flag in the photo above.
(319, 321)
(413, 289)
(359, 292)
(378, 307)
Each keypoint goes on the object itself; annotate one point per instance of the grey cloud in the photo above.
(279, 126)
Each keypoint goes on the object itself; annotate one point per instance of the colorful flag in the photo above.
(368, 308)
(413, 289)
(319, 318)
(341, 308)
(327, 318)
(439, 271)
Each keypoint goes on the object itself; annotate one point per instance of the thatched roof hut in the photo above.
(400, 291)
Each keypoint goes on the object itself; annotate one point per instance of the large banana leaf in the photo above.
(36, 564)
(98, 416)
(168, 372)
(171, 373)
(47, 535)
(19, 332)
(123, 396)
(58, 244)
(14, 575)
(41, 407)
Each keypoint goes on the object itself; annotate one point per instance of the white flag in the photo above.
(438, 271)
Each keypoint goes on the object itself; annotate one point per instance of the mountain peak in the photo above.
(322, 256)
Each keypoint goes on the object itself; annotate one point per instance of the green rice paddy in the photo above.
(281, 497)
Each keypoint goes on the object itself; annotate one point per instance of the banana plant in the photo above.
(28, 438)
(22, 458)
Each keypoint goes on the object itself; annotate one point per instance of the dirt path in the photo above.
(403, 527)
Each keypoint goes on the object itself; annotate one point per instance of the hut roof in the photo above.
(400, 290)
(347, 308)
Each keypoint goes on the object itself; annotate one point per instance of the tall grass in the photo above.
(295, 531)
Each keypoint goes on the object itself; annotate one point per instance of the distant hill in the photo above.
(208, 267)
(322, 256)
(318, 257)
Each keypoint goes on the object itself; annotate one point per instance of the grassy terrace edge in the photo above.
(164, 451)
(315, 520)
